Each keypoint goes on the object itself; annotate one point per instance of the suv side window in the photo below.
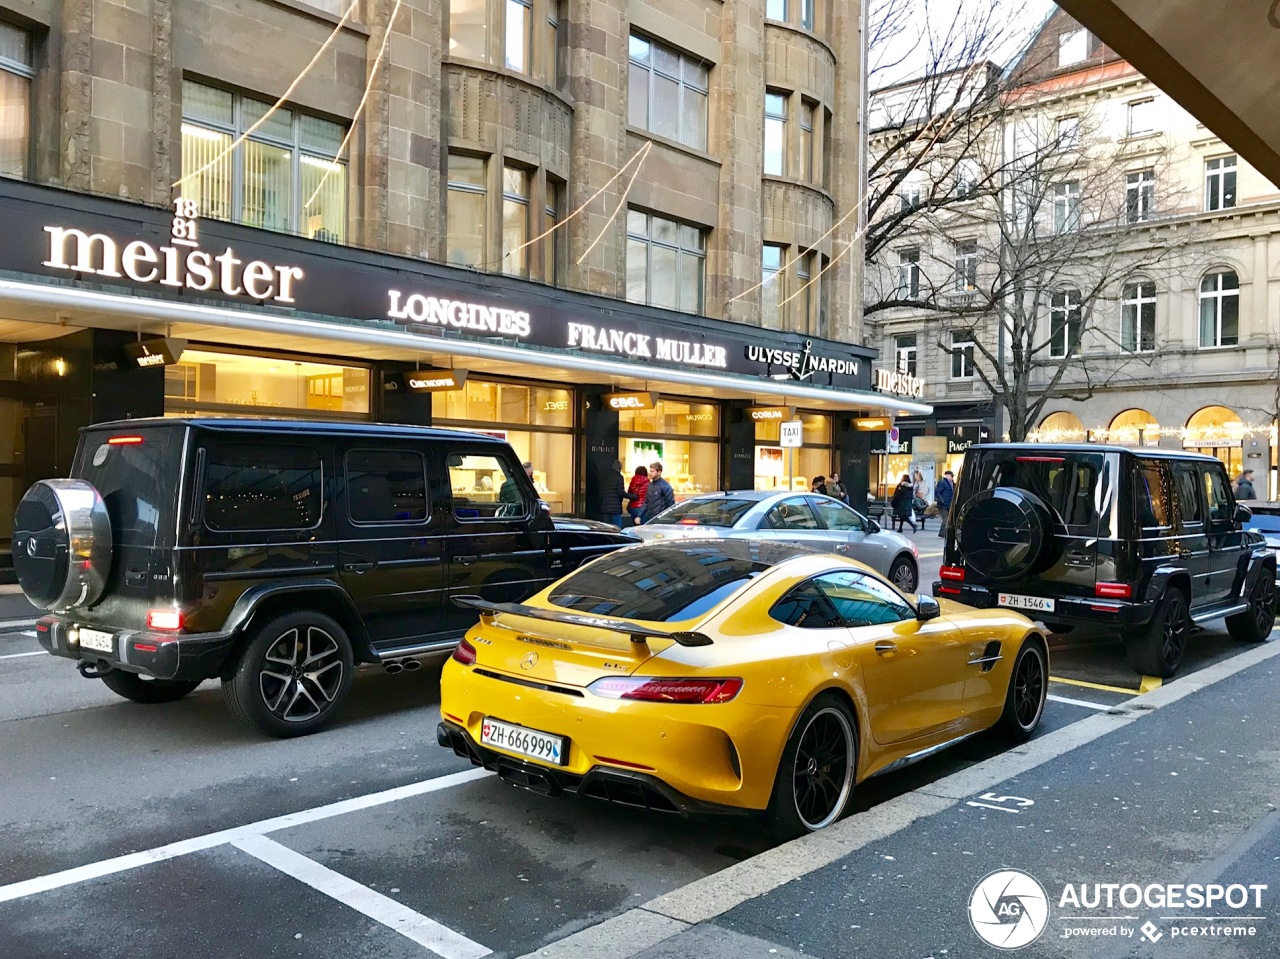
(838, 516)
(806, 606)
(863, 601)
(792, 513)
(262, 487)
(1186, 485)
(386, 486)
(1215, 494)
(1151, 495)
(485, 487)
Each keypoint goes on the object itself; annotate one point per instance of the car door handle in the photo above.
(884, 646)
(466, 560)
(358, 567)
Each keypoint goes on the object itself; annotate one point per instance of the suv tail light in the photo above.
(1113, 590)
(465, 653)
(667, 690)
(164, 619)
(124, 441)
(955, 573)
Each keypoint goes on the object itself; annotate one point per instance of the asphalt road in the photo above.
(157, 830)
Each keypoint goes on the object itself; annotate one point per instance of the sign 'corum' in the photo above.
(180, 263)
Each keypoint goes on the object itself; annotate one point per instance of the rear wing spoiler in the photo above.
(639, 634)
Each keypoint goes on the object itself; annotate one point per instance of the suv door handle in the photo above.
(358, 567)
(884, 646)
(466, 560)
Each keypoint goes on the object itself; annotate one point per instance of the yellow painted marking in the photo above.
(1081, 682)
(1149, 683)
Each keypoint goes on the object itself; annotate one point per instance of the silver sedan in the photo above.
(807, 519)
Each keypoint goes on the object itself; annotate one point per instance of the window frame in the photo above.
(1220, 169)
(426, 487)
(906, 356)
(775, 280)
(1136, 298)
(1067, 37)
(779, 119)
(513, 200)
(650, 240)
(23, 71)
(966, 266)
(1140, 195)
(1065, 312)
(1068, 132)
(1218, 295)
(1137, 111)
(688, 64)
(908, 273)
(1066, 207)
(481, 190)
(963, 345)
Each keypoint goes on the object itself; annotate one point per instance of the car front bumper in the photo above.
(175, 656)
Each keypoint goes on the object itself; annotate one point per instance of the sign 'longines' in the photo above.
(181, 263)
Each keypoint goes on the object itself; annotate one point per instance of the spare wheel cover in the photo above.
(1004, 532)
(62, 544)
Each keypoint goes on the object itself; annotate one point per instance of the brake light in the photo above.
(952, 572)
(164, 619)
(1113, 590)
(124, 440)
(145, 647)
(465, 653)
(667, 690)
(950, 590)
(1039, 459)
(688, 521)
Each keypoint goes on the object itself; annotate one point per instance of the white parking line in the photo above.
(1077, 702)
(441, 940)
(38, 652)
(15, 623)
(107, 867)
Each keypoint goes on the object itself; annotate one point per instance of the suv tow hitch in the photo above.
(94, 670)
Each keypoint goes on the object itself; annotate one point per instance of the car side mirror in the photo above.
(873, 526)
(1243, 514)
(927, 608)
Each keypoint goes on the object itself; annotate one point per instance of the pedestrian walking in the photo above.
(943, 494)
(637, 489)
(660, 495)
(1244, 486)
(901, 503)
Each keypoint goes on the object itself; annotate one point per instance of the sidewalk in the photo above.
(1179, 787)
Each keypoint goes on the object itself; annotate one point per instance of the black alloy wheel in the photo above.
(1028, 690)
(1158, 649)
(1255, 624)
(822, 774)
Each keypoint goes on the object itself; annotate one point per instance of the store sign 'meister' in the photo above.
(180, 263)
(900, 384)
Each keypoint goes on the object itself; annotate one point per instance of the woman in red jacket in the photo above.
(638, 489)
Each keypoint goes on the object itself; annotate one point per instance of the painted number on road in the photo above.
(1013, 804)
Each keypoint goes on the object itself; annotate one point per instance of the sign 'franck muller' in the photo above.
(180, 263)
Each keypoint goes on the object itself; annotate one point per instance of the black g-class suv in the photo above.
(1147, 541)
(275, 555)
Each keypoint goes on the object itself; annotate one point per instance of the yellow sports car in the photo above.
(730, 675)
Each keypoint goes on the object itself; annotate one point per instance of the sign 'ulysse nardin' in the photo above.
(180, 263)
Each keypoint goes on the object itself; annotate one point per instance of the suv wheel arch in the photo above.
(261, 603)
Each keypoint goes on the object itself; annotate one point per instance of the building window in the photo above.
(553, 243)
(967, 177)
(1064, 324)
(515, 221)
(909, 193)
(469, 29)
(286, 176)
(1142, 117)
(774, 280)
(904, 353)
(1066, 207)
(966, 266)
(1220, 310)
(807, 163)
(1068, 133)
(775, 133)
(808, 14)
(16, 73)
(666, 262)
(554, 55)
(962, 356)
(1140, 195)
(909, 274)
(518, 30)
(776, 9)
(1220, 183)
(1138, 318)
(807, 305)
(667, 93)
(465, 213)
(1073, 47)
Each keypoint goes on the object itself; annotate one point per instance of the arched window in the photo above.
(1135, 427)
(1220, 310)
(1219, 432)
(1060, 427)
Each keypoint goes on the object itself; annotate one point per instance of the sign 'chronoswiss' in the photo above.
(180, 263)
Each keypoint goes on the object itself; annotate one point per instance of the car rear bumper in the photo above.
(181, 656)
(1069, 610)
(622, 787)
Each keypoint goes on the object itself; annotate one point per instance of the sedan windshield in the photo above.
(722, 512)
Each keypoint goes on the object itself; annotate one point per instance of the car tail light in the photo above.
(465, 653)
(667, 690)
(950, 590)
(688, 521)
(1113, 590)
(953, 573)
(164, 619)
(124, 440)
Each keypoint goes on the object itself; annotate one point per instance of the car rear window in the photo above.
(722, 512)
(656, 584)
(135, 471)
(1076, 486)
(262, 487)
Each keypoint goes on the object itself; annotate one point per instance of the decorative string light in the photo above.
(276, 106)
(642, 153)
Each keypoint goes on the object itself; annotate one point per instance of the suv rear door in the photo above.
(1193, 536)
(1226, 543)
(392, 529)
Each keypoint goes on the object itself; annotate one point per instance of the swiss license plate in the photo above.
(97, 639)
(525, 741)
(1014, 601)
